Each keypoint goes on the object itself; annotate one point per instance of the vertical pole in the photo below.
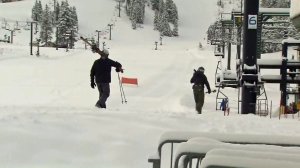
(120, 84)
(283, 73)
(160, 38)
(109, 31)
(198, 162)
(38, 47)
(56, 41)
(298, 96)
(239, 92)
(12, 36)
(171, 164)
(238, 47)
(191, 162)
(271, 110)
(240, 34)
(31, 36)
(249, 52)
(98, 38)
(229, 56)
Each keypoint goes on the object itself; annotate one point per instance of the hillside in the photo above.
(47, 112)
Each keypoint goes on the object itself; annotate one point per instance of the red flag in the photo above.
(133, 81)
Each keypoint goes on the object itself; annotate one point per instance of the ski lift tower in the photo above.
(249, 77)
(295, 18)
(227, 28)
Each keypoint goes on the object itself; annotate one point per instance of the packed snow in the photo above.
(295, 8)
(47, 112)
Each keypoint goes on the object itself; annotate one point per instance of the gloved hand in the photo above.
(93, 85)
(94, 48)
(209, 91)
(119, 69)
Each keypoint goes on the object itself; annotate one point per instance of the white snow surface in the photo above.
(47, 113)
(295, 8)
(245, 162)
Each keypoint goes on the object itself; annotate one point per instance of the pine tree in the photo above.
(161, 8)
(64, 23)
(273, 34)
(133, 23)
(274, 4)
(128, 2)
(175, 29)
(154, 4)
(214, 33)
(34, 11)
(57, 11)
(220, 4)
(37, 11)
(46, 27)
(172, 15)
(63, 17)
(67, 24)
(74, 17)
(139, 9)
(156, 20)
(165, 29)
(163, 21)
(172, 11)
(168, 6)
(136, 12)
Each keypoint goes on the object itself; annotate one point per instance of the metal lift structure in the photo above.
(231, 34)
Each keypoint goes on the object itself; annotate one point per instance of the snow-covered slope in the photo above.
(47, 113)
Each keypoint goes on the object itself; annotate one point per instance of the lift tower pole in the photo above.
(249, 76)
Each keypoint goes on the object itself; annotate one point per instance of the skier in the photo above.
(199, 80)
(101, 70)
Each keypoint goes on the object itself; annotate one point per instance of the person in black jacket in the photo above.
(199, 80)
(101, 74)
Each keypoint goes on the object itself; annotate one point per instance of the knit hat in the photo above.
(201, 69)
(105, 51)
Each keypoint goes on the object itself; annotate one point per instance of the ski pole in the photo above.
(121, 85)
(120, 88)
(123, 93)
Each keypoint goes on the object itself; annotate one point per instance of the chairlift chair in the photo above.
(219, 50)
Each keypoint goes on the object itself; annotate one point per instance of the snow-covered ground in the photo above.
(295, 8)
(47, 113)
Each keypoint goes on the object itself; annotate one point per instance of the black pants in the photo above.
(199, 97)
(104, 91)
